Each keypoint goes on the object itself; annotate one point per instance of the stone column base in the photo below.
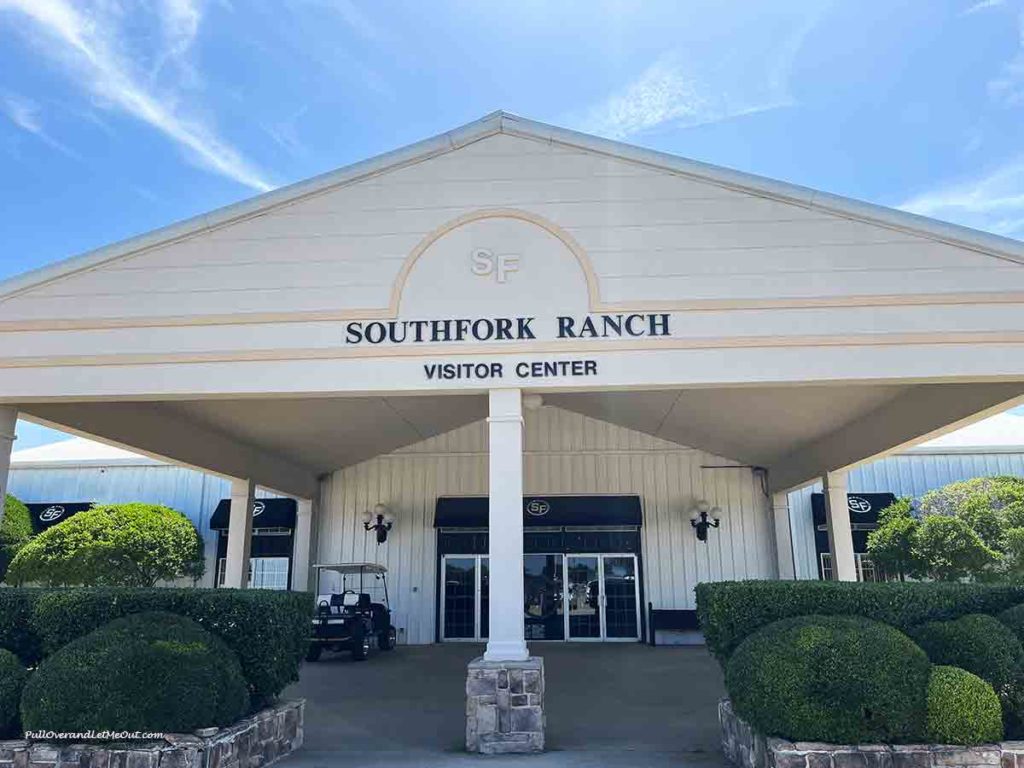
(505, 706)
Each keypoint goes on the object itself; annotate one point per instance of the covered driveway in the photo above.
(606, 705)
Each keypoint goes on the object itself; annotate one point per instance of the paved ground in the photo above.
(607, 705)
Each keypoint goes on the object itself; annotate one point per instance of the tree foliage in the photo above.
(968, 529)
(15, 531)
(134, 545)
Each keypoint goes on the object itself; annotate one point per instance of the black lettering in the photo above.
(577, 367)
(537, 370)
(486, 333)
(565, 328)
(440, 330)
(496, 372)
(522, 370)
(615, 323)
(417, 327)
(590, 366)
(629, 325)
(504, 329)
(659, 325)
(430, 370)
(461, 328)
(524, 328)
(393, 332)
(353, 333)
(588, 330)
(375, 333)
(550, 369)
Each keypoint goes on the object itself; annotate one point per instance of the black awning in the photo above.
(471, 511)
(46, 515)
(266, 513)
(864, 507)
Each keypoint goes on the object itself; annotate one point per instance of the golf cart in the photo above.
(347, 618)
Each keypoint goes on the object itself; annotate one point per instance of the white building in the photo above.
(520, 312)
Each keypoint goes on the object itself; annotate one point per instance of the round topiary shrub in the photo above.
(845, 680)
(978, 643)
(1014, 619)
(12, 680)
(962, 708)
(149, 671)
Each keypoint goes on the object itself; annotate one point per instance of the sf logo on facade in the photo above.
(537, 507)
(484, 262)
(257, 508)
(858, 504)
(50, 514)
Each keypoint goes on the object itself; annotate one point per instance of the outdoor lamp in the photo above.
(380, 520)
(700, 521)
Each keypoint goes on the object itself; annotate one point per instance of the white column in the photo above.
(507, 640)
(236, 572)
(840, 535)
(8, 420)
(783, 536)
(301, 540)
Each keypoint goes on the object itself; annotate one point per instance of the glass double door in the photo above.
(574, 597)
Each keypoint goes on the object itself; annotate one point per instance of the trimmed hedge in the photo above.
(980, 644)
(962, 708)
(730, 611)
(843, 680)
(267, 630)
(148, 672)
(12, 680)
(1014, 619)
(16, 631)
(15, 531)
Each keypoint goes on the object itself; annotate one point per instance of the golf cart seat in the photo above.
(379, 614)
(354, 602)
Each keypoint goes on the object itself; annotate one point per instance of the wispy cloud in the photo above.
(26, 115)
(91, 46)
(982, 6)
(674, 90)
(993, 202)
(1007, 88)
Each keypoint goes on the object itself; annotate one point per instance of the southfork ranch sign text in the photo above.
(503, 329)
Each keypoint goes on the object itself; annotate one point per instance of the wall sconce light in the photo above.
(380, 520)
(701, 522)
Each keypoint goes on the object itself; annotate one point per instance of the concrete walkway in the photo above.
(607, 705)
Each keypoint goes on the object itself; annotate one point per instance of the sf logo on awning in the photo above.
(537, 507)
(50, 514)
(858, 504)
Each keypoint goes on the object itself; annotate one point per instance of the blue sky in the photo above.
(117, 117)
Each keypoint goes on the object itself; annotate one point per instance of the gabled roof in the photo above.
(512, 125)
(76, 452)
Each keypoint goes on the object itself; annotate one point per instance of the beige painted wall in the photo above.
(565, 453)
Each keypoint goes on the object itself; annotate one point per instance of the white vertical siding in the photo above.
(908, 474)
(565, 453)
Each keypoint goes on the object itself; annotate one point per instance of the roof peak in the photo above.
(501, 121)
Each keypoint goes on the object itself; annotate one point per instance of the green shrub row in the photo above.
(730, 611)
(267, 630)
(844, 680)
(148, 672)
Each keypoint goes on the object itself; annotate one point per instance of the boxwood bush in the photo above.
(149, 671)
(962, 708)
(267, 630)
(16, 631)
(729, 611)
(12, 680)
(979, 644)
(844, 680)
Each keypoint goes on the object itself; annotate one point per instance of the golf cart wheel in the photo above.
(360, 644)
(386, 639)
(314, 651)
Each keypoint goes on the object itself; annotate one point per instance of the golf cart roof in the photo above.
(346, 568)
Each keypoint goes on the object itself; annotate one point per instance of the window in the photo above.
(264, 572)
(866, 570)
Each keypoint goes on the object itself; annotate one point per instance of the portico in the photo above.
(517, 312)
